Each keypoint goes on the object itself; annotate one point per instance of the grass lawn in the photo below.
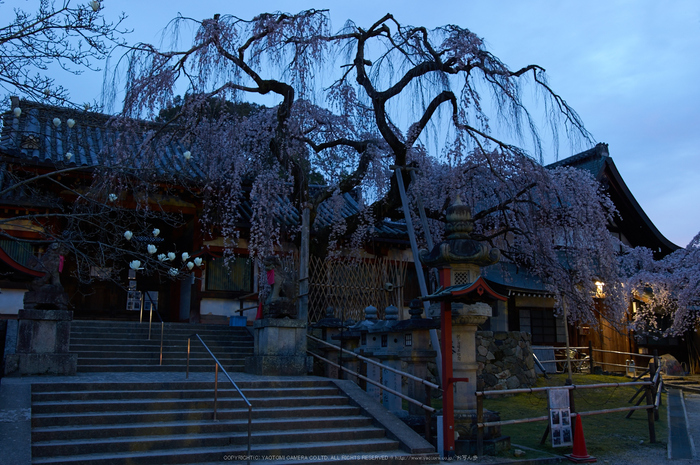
(604, 433)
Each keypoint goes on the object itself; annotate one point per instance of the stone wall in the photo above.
(504, 360)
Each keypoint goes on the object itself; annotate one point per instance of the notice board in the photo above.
(560, 418)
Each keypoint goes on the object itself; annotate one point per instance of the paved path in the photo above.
(679, 441)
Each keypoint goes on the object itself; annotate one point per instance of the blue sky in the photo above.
(630, 69)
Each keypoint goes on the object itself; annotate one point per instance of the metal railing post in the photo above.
(480, 428)
(250, 419)
(141, 312)
(150, 319)
(162, 329)
(428, 416)
(216, 386)
(187, 372)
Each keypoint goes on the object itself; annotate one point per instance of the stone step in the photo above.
(223, 392)
(168, 359)
(200, 439)
(119, 405)
(282, 383)
(135, 355)
(57, 433)
(155, 368)
(155, 340)
(173, 422)
(224, 454)
(110, 418)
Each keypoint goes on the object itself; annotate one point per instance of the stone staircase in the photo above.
(124, 408)
(293, 421)
(119, 346)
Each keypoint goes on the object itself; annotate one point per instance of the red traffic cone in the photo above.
(580, 454)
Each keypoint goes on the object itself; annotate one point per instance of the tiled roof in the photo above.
(592, 160)
(34, 137)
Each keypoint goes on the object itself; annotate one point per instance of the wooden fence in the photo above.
(350, 285)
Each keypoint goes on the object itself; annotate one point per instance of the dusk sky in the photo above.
(631, 69)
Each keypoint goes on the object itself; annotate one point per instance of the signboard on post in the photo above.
(560, 418)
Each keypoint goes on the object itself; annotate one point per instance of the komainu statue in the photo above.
(282, 300)
(46, 292)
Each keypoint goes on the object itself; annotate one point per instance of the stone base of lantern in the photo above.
(465, 425)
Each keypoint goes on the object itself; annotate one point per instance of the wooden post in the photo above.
(650, 415)
(303, 308)
(590, 357)
(652, 372)
(480, 428)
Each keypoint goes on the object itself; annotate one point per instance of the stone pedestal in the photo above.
(46, 297)
(465, 319)
(392, 380)
(280, 348)
(43, 338)
(417, 364)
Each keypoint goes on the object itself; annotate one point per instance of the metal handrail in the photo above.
(391, 391)
(373, 362)
(150, 319)
(216, 384)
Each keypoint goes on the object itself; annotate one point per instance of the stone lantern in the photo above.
(388, 354)
(327, 329)
(416, 351)
(463, 295)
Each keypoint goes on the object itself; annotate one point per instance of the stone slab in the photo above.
(38, 314)
(277, 365)
(279, 323)
(41, 364)
(15, 423)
